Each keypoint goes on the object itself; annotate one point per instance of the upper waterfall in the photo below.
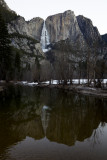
(45, 39)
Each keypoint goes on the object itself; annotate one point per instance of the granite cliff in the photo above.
(62, 26)
(32, 28)
(90, 33)
(104, 37)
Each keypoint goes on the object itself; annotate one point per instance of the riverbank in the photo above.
(75, 88)
(80, 89)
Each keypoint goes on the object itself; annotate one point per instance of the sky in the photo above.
(96, 10)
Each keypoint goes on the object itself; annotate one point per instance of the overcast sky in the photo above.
(96, 10)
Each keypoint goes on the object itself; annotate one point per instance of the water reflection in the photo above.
(49, 115)
(45, 117)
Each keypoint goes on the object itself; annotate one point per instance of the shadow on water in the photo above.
(60, 117)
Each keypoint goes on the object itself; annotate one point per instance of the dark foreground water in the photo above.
(50, 124)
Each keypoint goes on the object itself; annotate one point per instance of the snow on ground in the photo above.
(32, 84)
(27, 83)
(55, 82)
(75, 81)
(104, 80)
(46, 82)
(82, 81)
(24, 82)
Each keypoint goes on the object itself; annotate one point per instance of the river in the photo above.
(51, 124)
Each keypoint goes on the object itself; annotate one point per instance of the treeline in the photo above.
(7, 15)
(67, 62)
(73, 61)
(9, 57)
(17, 35)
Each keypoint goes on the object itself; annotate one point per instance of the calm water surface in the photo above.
(50, 124)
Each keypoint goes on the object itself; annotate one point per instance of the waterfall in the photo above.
(45, 39)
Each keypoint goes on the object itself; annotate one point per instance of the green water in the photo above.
(50, 124)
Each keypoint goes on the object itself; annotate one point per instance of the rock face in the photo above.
(26, 45)
(104, 37)
(62, 26)
(90, 33)
(32, 28)
(21, 32)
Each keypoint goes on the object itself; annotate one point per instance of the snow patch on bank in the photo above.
(27, 83)
(75, 81)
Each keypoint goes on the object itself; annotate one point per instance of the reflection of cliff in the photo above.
(12, 132)
(68, 119)
(68, 128)
(32, 128)
(75, 119)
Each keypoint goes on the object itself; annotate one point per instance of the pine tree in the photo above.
(17, 66)
(17, 61)
(5, 51)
